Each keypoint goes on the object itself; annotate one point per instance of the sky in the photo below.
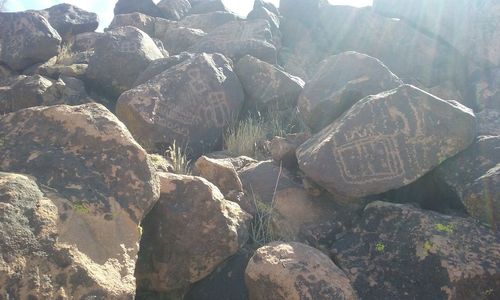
(104, 8)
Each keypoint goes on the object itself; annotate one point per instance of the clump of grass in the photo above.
(65, 55)
(445, 228)
(244, 139)
(178, 158)
(380, 247)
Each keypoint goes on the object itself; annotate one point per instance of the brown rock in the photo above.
(146, 7)
(293, 271)
(190, 103)
(174, 9)
(141, 21)
(188, 234)
(219, 172)
(283, 148)
(160, 65)
(340, 81)
(179, 39)
(70, 20)
(386, 141)
(400, 252)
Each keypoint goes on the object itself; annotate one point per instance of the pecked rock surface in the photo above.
(26, 38)
(70, 20)
(98, 183)
(191, 103)
(400, 252)
(341, 81)
(119, 58)
(294, 271)
(474, 175)
(239, 38)
(190, 231)
(386, 141)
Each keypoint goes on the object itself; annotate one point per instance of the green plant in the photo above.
(261, 228)
(244, 139)
(65, 54)
(81, 207)
(427, 246)
(179, 160)
(380, 247)
(445, 228)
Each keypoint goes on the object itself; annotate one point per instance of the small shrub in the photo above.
(81, 207)
(380, 247)
(179, 160)
(445, 228)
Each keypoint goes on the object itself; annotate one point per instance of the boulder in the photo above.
(239, 38)
(146, 7)
(173, 252)
(207, 6)
(340, 81)
(474, 175)
(400, 252)
(55, 71)
(273, 19)
(489, 122)
(485, 86)
(66, 90)
(174, 9)
(26, 38)
(267, 86)
(294, 271)
(413, 56)
(160, 65)
(304, 11)
(190, 103)
(283, 149)
(220, 172)
(257, 4)
(179, 39)
(209, 21)
(141, 21)
(470, 26)
(86, 41)
(70, 20)
(386, 141)
(119, 58)
(101, 185)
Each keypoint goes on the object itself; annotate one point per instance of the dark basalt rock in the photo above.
(70, 20)
(146, 7)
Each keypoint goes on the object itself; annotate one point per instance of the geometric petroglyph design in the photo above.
(216, 113)
(126, 46)
(358, 168)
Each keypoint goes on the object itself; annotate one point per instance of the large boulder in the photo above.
(174, 9)
(386, 141)
(190, 103)
(70, 20)
(209, 21)
(400, 252)
(146, 7)
(190, 231)
(119, 58)
(179, 39)
(26, 38)
(293, 271)
(473, 27)
(474, 175)
(267, 86)
(160, 65)
(101, 185)
(341, 81)
(239, 38)
(221, 173)
(141, 21)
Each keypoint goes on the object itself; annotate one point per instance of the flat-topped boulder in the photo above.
(70, 20)
(386, 141)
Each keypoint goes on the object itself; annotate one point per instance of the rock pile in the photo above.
(310, 151)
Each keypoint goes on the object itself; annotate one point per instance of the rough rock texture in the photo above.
(208, 6)
(146, 7)
(267, 86)
(473, 27)
(474, 175)
(70, 20)
(486, 88)
(160, 65)
(386, 141)
(207, 22)
(283, 149)
(489, 122)
(174, 9)
(141, 21)
(293, 271)
(179, 39)
(101, 185)
(85, 41)
(119, 57)
(190, 231)
(190, 103)
(341, 81)
(239, 38)
(400, 252)
(220, 172)
(26, 38)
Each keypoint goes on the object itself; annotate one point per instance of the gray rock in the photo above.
(474, 175)
(174, 9)
(141, 21)
(386, 141)
(209, 21)
(400, 252)
(119, 58)
(179, 39)
(267, 86)
(26, 38)
(160, 65)
(239, 38)
(146, 7)
(340, 81)
(190, 103)
(489, 122)
(86, 41)
(70, 20)
(207, 6)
